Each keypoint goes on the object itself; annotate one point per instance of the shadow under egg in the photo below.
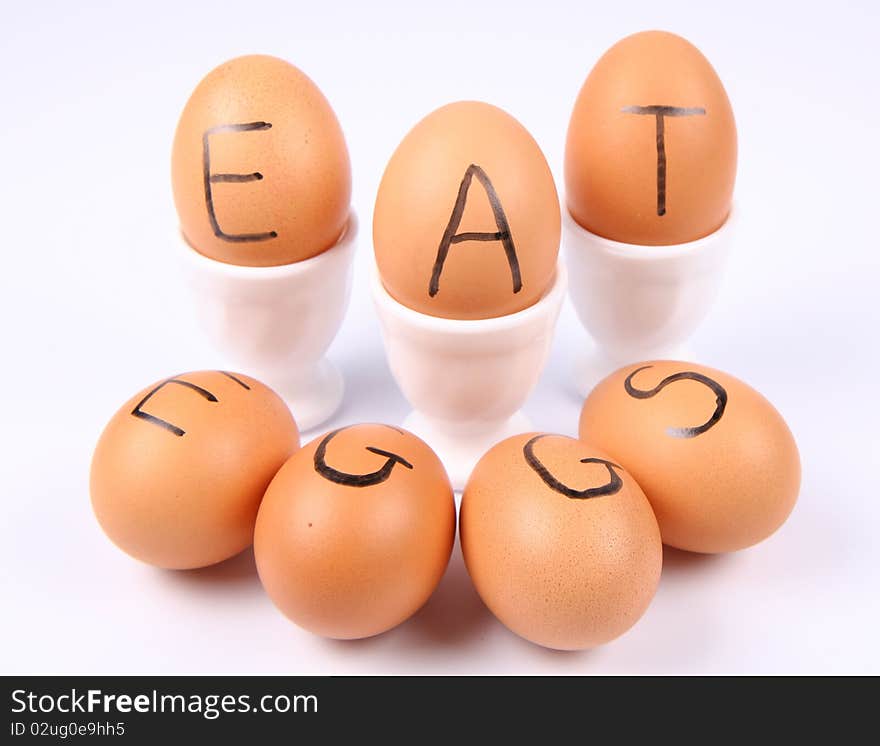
(240, 570)
(679, 561)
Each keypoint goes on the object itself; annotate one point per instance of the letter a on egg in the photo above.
(451, 235)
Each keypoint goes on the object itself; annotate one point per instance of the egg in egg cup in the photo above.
(650, 166)
(468, 286)
(262, 186)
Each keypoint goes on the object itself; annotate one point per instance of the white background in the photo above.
(92, 309)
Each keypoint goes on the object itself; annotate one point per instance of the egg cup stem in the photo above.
(466, 379)
(640, 302)
(461, 447)
(276, 323)
(314, 395)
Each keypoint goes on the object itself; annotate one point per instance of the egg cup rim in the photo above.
(648, 252)
(551, 298)
(344, 244)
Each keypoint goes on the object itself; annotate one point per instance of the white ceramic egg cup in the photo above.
(276, 323)
(467, 379)
(639, 302)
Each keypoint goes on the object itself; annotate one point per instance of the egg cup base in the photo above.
(460, 448)
(276, 323)
(593, 364)
(640, 302)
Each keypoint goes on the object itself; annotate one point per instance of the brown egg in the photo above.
(467, 222)
(560, 542)
(259, 167)
(179, 472)
(355, 531)
(651, 151)
(716, 460)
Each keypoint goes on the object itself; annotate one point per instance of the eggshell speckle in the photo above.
(259, 167)
(568, 560)
(355, 531)
(467, 221)
(716, 460)
(620, 182)
(179, 471)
